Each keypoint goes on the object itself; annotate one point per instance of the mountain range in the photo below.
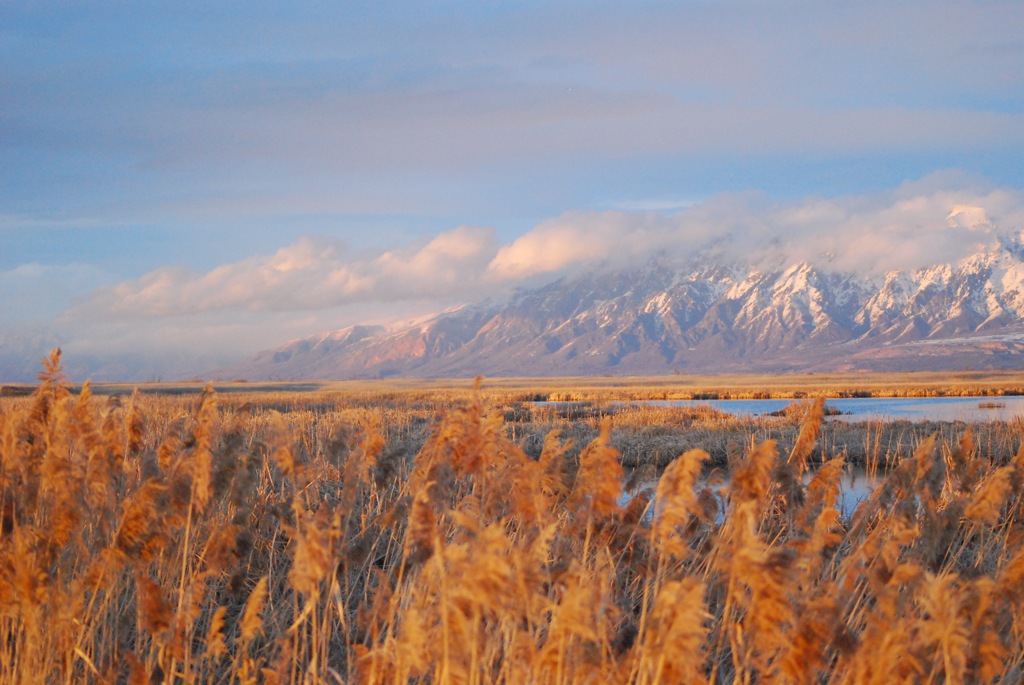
(707, 315)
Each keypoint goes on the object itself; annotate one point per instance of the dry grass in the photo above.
(610, 388)
(221, 539)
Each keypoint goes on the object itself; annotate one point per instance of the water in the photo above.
(970, 409)
(855, 486)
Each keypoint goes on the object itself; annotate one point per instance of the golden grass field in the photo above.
(400, 534)
(606, 388)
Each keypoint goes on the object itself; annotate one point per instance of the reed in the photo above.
(258, 539)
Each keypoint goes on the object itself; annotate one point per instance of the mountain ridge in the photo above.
(698, 317)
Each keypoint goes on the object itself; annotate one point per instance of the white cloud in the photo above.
(310, 274)
(577, 238)
(913, 226)
(439, 267)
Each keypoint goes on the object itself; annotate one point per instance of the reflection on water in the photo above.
(855, 486)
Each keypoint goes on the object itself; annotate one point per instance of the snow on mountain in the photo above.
(701, 317)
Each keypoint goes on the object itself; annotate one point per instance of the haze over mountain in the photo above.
(708, 314)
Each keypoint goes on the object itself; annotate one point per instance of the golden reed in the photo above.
(145, 540)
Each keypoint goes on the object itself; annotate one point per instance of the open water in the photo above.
(971, 409)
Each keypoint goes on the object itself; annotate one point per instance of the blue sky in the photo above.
(392, 152)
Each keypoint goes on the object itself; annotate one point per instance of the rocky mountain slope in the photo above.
(699, 318)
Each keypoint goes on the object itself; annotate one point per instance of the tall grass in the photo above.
(147, 541)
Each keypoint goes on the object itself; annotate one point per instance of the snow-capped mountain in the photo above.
(700, 318)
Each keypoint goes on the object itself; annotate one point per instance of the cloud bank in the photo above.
(916, 225)
(311, 274)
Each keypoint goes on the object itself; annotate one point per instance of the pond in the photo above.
(970, 409)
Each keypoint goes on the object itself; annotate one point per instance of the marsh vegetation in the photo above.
(476, 538)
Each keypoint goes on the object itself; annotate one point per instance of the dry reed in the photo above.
(256, 540)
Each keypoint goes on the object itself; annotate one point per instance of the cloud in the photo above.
(140, 115)
(576, 238)
(311, 274)
(446, 264)
(916, 225)
(969, 217)
(912, 227)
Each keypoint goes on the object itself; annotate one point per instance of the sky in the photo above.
(184, 184)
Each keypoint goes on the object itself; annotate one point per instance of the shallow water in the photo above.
(856, 483)
(970, 409)
(855, 486)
